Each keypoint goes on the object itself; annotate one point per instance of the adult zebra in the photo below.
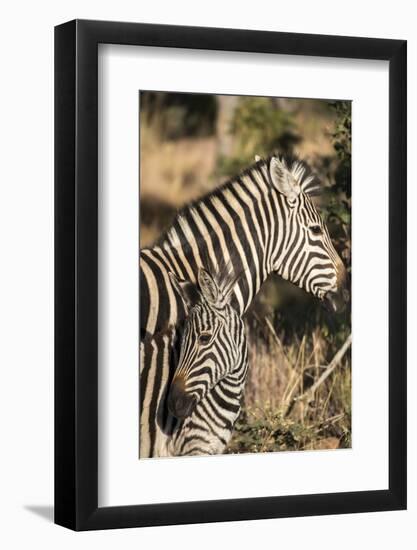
(208, 383)
(262, 221)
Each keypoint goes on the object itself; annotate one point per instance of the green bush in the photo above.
(259, 127)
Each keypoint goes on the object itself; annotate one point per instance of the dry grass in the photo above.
(172, 173)
(273, 417)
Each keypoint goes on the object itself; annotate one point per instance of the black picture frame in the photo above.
(76, 271)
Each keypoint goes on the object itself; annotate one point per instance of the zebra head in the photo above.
(213, 344)
(305, 254)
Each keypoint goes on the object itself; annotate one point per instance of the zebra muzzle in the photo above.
(335, 301)
(330, 302)
(180, 403)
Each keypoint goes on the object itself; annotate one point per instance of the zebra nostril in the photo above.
(183, 406)
(180, 403)
(335, 301)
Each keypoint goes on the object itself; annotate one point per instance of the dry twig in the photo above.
(308, 395)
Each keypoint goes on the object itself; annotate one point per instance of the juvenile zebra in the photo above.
(262, 221)
(207, 388)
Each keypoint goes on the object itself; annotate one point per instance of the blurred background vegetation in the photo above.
(191, 143)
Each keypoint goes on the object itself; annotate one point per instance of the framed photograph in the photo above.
(230, 252)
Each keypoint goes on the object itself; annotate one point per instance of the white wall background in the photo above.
(26, 274)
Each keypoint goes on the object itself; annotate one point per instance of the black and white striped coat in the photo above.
(208, 384)
(262, 221)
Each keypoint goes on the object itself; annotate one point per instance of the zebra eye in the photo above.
(204, 338)
(316, 230)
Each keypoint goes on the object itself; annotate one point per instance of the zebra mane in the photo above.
(299, 172)
(224, 273)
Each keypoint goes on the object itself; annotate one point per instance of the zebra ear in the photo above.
(283, 179)
(186, 289)
(208, 287)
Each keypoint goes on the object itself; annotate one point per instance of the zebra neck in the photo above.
(235, 225)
